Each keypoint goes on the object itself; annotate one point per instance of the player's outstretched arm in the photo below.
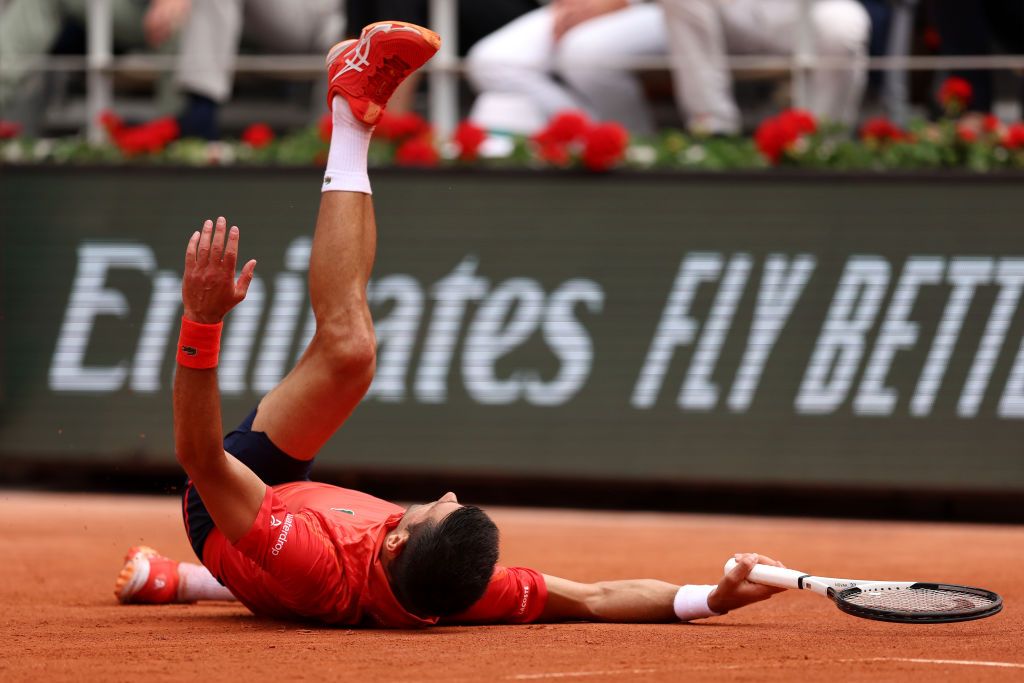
(231, 491)
(651, 601)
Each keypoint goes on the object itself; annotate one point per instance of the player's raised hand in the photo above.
(734, 590)
(209, 289)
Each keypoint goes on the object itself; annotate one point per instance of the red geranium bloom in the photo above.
(553, 153)
(604, 145)
(9, 129)
(258, 135)
(148, 138)
(111, 122)
(565, 127)
(469, 137)
(1014, 136)
(326, 126)
(955, 94)
(770, 140)
(966, 134)
(417, 151)
(401, 126)
(777, 134)
(881, 129)
(991, 124)
(799, 120)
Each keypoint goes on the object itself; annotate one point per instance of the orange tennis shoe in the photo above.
(366, 71)
(147, 577)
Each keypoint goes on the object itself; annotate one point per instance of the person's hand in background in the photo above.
(164, 18)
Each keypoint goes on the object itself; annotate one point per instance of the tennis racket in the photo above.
(905, 602)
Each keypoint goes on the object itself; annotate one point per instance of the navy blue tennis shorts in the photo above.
(258, 453)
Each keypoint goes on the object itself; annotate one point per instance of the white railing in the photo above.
(445, 68)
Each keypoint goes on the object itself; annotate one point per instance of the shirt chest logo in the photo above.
(345, 511)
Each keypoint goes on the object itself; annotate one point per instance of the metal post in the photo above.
(444, 84)
(803, 56)
(895, 88)
(99, 83)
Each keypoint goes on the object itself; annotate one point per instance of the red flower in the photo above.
(1014, 136)
(955, 94)
(799, 120)
(966, 134)
(148, 138)
(9, 129)
(258, 135)
(881, 129)
(416, 151)
(565, 127)
(469, 137)
(111, 122)
(552, 152)
(990, 123)
(604, 145)
(775, 135)
(399, 127)
(326, 126)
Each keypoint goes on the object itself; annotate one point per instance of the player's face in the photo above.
(434, 511)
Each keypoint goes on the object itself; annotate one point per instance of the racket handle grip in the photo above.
(770, 576)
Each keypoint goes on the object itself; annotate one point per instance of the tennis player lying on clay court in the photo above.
(288, 547)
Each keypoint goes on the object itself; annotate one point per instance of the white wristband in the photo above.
(692, 602)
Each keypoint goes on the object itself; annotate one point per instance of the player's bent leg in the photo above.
(318, 395)
(326, 385)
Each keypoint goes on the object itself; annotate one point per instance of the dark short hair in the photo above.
(445, 566)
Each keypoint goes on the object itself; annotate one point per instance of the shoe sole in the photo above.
(133, 577)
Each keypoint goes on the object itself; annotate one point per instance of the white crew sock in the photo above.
(195, 582)
(346, 161)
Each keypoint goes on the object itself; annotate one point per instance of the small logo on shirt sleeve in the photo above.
(525, 601)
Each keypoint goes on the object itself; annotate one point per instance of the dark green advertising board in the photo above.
(759, 329)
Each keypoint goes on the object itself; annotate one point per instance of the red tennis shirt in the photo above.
(314, 552)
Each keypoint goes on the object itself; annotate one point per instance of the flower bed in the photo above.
(792, 139)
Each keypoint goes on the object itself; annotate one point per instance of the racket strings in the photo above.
(919, 600)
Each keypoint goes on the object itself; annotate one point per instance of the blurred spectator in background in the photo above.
(31, 29)
(703, 32)
(980, 27)
(541, 59)
(216, 29)
(476, 19)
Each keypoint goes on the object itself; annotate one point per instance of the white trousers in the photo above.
(523, 58)
(703, 32)
(215, 29)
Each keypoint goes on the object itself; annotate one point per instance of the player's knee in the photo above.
(841, 27)
(349, 350)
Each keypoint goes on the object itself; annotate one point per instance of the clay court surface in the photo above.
(61, 622)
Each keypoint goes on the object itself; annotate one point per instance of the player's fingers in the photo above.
(764, 559)
(738, 574)
(231, 251)
(244, 280)
(190, 251)
(204, 243)
(219, 233)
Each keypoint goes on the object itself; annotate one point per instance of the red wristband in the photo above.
(199, 344)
